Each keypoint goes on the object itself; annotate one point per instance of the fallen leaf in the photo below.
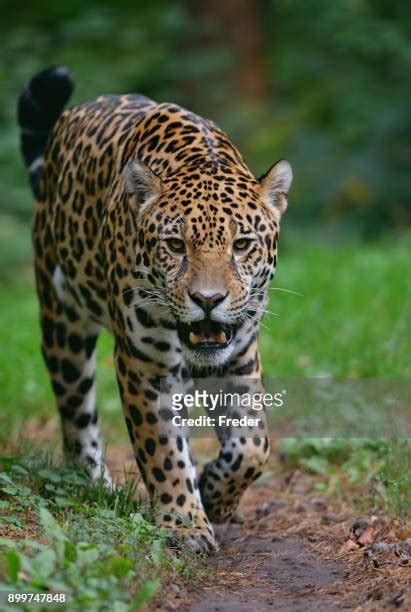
(351, 545)
(367, 536)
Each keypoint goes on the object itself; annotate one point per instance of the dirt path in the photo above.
(291, 550)
(269, 572)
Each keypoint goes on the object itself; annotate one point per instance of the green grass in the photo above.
(98, 547)
(374, 474)
(353, 318)
(24, 384)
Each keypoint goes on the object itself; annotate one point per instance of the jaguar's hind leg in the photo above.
(68, 343)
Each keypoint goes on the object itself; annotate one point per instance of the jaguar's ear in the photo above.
(141, 182)
(275, 183)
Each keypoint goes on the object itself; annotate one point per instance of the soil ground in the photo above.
(290, 553)
(290, 548)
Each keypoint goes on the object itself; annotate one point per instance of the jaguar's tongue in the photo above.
(206, 332)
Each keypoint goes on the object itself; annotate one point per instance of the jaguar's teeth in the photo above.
(194, 339)
(221, 337)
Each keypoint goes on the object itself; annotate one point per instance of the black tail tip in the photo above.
(44, 98)
(55, 79)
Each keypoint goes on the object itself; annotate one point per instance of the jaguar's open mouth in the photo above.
(206, 334)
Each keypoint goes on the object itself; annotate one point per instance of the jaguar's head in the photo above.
(208, 241)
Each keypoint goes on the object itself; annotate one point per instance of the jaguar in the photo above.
(149, 223)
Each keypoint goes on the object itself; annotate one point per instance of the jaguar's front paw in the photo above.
(195, 540)
(192, 532)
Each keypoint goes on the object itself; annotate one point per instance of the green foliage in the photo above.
(380, 467)
(340, 72)
(396, 476)
(99, 547)
(92, 576)
(337, 77)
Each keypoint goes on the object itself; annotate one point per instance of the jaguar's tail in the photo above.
(39, 107)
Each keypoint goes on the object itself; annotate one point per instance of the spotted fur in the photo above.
(149, 223)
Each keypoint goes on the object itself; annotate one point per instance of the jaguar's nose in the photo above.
(207, 302)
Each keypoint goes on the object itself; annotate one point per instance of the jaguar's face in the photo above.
(214, 252)
(215, 277)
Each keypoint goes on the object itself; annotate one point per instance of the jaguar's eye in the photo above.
(176, 245)
(242, 244)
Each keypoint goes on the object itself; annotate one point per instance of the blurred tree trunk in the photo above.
(238, 26)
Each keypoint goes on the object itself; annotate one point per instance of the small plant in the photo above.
(380, 467)
(98, 547)
(396, 476)
(93, 576)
